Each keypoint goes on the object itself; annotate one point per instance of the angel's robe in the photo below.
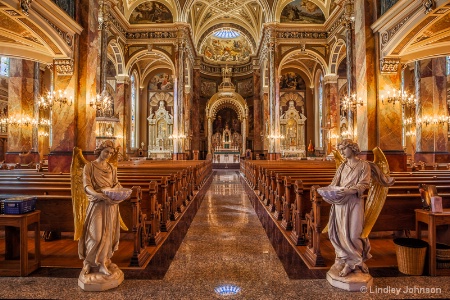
(101, 230)
(347, 215)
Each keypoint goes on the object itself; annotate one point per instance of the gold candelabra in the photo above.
(52, 98)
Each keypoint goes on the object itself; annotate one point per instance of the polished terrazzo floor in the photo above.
(225, 249)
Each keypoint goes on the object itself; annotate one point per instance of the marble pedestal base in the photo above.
(353, 282)
(98, 282)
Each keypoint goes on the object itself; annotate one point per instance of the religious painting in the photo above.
(208, 88)
(230, 50)
(292, 81)
(151, 12)
(302, 12)
(245, 87)
(161, 82)
(226, 118)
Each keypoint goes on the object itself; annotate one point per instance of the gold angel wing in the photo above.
(379, 185)
(79, 198)
(339, 160)
(114, 160)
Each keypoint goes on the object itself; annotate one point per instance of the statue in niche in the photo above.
(350, 219)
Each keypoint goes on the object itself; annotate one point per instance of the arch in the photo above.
(231, 100)
(118, 56)
(307, 53)
(334, 56)
(141, 54)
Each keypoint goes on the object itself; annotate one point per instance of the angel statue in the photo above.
(96, 216)
(350, 219)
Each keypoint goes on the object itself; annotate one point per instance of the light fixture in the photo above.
(351, 102)
(275, 136)
(393, 96)
(103, 105)
(177, 137)
(52, 98)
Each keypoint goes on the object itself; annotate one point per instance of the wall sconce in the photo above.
(351, 102)
(47, 102)
(395, 96)
(442, 119)
(20, 121)
(409, 121)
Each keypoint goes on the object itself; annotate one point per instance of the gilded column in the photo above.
(21, 99)
(178, 110)
(432, 111)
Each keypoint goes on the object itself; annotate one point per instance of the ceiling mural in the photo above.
(151, 12)
(302, 12)
(226, 46)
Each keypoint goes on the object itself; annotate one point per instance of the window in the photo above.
(320, 96)
(133, 129)
(448, 65)
(4, 66)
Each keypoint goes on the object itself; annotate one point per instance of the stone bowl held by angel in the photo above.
(330, 192)
(117, 194)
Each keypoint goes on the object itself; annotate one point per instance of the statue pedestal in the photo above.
(353, 282)
(98, 282)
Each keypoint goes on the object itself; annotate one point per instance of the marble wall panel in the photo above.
(20, 103)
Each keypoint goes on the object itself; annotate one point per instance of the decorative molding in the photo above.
(66, 36)
(388, 34)
(25, 5)
(63, 66)
(12, 13)
(337, 23)
(429, 6)
(389, 65)
(165, 48)
(285, 49)
(152, 35)
(301, 35)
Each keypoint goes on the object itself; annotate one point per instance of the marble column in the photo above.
(120, 103)
(351, 70)
(75, 125)
(274, 103)
(195, 110)
(257, 110)
(178, 109)
(409, 112)
(332, 103)
(21, 98)
(431, 92)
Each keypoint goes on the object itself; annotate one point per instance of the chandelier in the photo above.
(52, 98)
(403, 98)
(103, 105)
(351, 102)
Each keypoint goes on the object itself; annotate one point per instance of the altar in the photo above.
(226, 156)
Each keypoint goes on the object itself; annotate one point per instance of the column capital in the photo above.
(389, 65)
(330, 78)
(123, 79)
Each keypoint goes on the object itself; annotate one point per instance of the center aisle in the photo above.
(226, 244)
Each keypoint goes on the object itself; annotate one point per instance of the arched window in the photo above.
(134, 112)
(319, 108)
(4, 66)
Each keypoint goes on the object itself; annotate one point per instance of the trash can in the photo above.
(410, 255)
